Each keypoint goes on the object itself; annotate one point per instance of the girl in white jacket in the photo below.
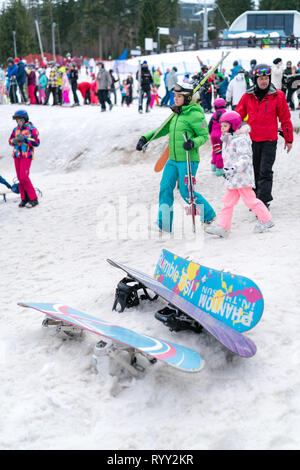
(238, 171)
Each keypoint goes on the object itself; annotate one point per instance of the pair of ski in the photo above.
(185, 286)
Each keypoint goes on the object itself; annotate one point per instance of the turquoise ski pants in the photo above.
(174, 171)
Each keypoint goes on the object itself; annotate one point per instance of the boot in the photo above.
(23, 203)
(261, 227)
(219, 172)
(217, 230)
(33, 203)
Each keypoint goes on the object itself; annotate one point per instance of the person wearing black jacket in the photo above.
(21, 78)
(73, 81)
(146, 80)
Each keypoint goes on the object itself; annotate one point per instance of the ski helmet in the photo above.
(233, 118)
(185, 89)
(21, 114)
(261, 70)
(219, 103)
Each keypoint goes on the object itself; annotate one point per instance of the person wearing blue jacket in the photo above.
(12, 71)
(235, 70)
(21, 77)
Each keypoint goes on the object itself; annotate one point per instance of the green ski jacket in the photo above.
(191, 119)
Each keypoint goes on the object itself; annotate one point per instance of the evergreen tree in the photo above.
(230, 9)
(279, 5)
(15, 17)
(161, 13)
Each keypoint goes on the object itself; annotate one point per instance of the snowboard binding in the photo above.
(106, 353)
(127, 295)
(62, 327)
(176, 320)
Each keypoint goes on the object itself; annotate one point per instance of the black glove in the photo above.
(20, 138)
(188, 145)
(15, 141)
(141, 143)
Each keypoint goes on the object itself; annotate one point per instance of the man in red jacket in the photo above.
(264, 105)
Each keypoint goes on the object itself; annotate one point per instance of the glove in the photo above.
(20, 138)
(229, 173)
(188, 145)
(142, 141)
(15, 141)
(217, 148)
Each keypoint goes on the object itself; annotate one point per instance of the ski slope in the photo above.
(99, 198)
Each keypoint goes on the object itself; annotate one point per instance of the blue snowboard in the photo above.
(230, 298)
(175, 355)
(235, 341)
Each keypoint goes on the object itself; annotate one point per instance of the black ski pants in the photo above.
(264, 154)
(147, 92)
(103, 96)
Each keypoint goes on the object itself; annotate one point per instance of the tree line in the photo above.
(92, 28)
(104, 28)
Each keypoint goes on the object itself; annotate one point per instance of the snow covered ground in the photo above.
(51, 395)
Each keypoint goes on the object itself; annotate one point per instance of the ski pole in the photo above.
(190, 180)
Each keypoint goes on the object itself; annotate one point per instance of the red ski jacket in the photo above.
(263, 115)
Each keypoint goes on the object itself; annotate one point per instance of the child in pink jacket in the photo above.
(24, 138)
(239, 173)
(214, 128)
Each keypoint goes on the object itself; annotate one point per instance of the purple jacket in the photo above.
(31, 77)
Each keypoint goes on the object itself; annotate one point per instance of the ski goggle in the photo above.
(263, 71)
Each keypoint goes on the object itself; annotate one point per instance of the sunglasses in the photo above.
(263, 71)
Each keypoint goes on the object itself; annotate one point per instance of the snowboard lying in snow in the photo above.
(117, 339)
(222, 303)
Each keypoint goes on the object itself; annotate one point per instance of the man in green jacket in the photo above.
(188, 117)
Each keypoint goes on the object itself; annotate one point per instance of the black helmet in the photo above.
(261, 70)
(21, 114)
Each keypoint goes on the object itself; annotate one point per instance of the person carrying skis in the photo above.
(238, 171)
(146, 81)
(214, 128)
(264, 105)
(24, 138)
(188, 117)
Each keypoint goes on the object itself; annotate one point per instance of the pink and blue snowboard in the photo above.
(172, 354)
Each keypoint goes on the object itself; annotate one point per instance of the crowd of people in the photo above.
(35, 84)
(243, 128)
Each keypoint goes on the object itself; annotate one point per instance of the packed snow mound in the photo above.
(83, 137)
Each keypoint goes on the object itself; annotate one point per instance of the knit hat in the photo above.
(276, 61)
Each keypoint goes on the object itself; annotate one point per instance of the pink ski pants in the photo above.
(231, 198)
(22, 166)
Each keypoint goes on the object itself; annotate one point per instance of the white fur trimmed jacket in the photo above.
(237, 155)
